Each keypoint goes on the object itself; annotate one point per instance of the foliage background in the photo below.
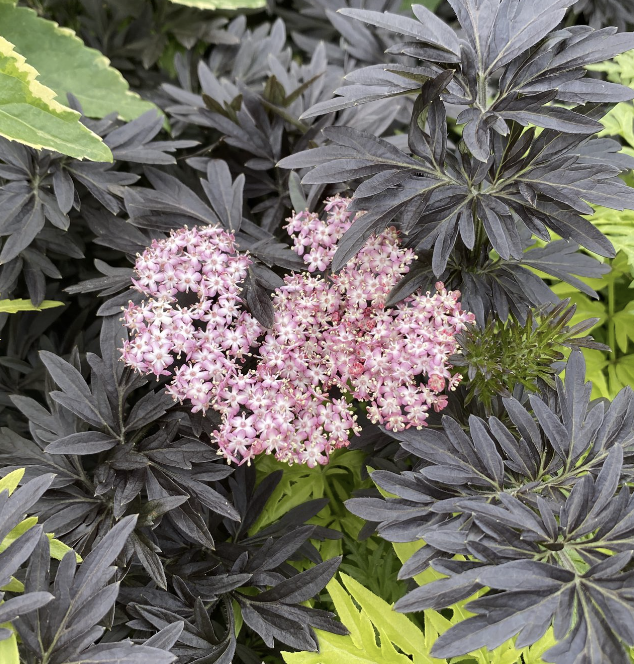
(188, 81)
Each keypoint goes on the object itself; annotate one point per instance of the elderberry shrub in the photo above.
(309, 255)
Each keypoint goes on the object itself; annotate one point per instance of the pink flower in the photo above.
(165, 333)
(331, 333)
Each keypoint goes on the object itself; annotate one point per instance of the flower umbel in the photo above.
(192, 326)
(333, 337)
(333, 341)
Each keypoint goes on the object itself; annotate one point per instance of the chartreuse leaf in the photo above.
(619, 122)
(299, 484)
(624, 326)
(222, 4)
(596, 364)
(586, 306)
(18, 531)
(29, 112)
(436, 624)
(361, 645)
(9, 648)
(13, 306)
(619, 70)
(608, 376)
(65, 65)
(14, 586)
(10, 482)
(58, 549)
(621, 373)
(618, 227)
(379, 635)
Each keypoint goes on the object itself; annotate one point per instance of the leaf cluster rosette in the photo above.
(538, 512)
(502, 356)
(247, 100)
(249, 569)
(522, 162)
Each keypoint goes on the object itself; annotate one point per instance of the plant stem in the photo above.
(611, 327)
(482, 93)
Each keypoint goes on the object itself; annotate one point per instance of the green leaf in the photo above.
(624, 326)
(361, 646)
(222, 4)
(299, 483)
(13, 306)
(586, 307)
(618, 122)
(618, 227)
(59, 549)
(30, 114)
(65, 65)
(9, 647)
(596, 363)
(619, 70)
(14, 586)
(397, 627)
(379, 635)
(622, 373)
(18, 531)
(436, 623)
(10, 482)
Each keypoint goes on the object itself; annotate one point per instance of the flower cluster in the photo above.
(316, 239)
(193, 313)
(263, 412)
(334, 335)
(333, 341)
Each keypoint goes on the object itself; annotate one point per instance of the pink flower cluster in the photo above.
(316, 239)
(333, 340)
(194, 313)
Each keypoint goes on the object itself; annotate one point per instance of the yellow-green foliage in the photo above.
(619, 70)
(13, 306)
(9, 647)
(379, 635)
(58, 549)
(30, 114)
(64, 64)
(299, 483)
(610, 372)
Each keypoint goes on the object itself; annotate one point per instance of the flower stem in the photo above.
(611, 327)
